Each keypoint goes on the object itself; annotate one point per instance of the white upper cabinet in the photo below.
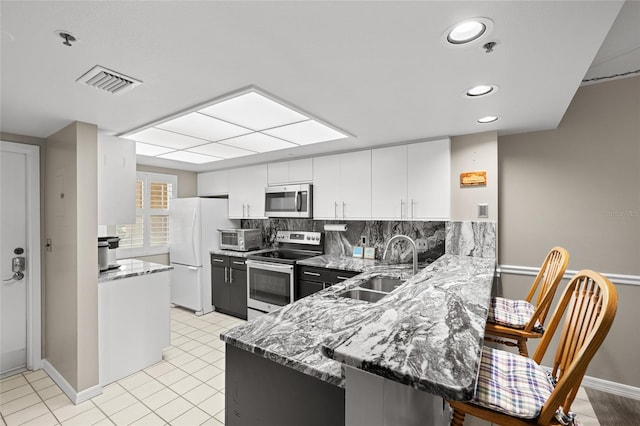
(342, 186)
(213, 183)
(389, 183)
(294, 171)
(429, 180)
(246, 192)
(412, 182)
(116, 180)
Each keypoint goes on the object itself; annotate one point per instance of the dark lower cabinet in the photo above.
(229, 285)
(311, 279)
(261, 392)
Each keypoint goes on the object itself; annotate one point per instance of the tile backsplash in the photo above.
(376, 232)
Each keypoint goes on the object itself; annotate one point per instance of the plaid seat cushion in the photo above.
(511, 384)
(511, 313)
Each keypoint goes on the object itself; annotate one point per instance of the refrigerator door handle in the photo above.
(192, 268)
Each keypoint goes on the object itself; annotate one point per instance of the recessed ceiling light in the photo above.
(468, 31)
(487, 119)
(481, 90)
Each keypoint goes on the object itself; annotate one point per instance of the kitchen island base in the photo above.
(261, 392)
(376, 401)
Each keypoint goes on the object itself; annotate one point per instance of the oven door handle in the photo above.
(275, 267)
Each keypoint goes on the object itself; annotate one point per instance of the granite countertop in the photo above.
(427, 333)
(132, 268)
(239, 253)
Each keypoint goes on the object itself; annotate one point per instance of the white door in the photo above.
(16, 295)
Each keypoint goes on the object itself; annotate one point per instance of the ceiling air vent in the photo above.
(107, 80)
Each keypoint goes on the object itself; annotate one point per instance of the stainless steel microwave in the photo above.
(240, 239)
(289, 201)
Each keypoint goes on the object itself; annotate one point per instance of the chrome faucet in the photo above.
(415, 250)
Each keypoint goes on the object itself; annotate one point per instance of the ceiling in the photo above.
(378, 70)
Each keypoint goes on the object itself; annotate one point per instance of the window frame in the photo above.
(146, 212)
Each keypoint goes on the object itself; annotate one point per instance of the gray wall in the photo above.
(578, 186)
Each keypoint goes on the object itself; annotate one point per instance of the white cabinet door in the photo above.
(116, 180)
(213, 183)
(246, 192)
(326, 187)
(355, 181)
(429, 180)
(301, 170)
(278, 173)
(389, 183)
(342, 186)
(294, 171)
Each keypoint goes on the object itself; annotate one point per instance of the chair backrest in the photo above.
(546, 284)
(590, 302)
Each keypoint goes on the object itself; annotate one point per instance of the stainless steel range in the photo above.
(271, 275)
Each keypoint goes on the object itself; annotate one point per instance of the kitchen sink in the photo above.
(361, 294)
(382, 283)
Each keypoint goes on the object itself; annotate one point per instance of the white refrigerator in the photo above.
(194, 224)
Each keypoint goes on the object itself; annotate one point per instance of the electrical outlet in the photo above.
(422, 244)
(364, 240)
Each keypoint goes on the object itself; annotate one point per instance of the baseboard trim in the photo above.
(531, 271)
(613, 388)
(75, 397)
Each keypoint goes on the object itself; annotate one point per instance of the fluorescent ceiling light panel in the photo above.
(254, 111)
(307, 132)
(188, 157)
(151, 150)
(246, 124)
(203, 126)
(220, 150)
(165, 138)
(259, 142)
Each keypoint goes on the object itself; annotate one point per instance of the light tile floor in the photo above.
(185, 388)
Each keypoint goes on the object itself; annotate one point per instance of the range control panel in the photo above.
(299, 237)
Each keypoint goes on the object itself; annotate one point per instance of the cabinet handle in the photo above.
(218, 260)
(226, 274)
(335, 210)
(313, 274)
(412, 203)
(343, 204)
(342, 278)
(230, 275)
(243, 209)
(248, 210)
(235, 262)
(401, 209)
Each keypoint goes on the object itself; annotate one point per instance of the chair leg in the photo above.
(458, 418)
(522, 347)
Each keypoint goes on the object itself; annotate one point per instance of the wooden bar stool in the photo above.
(513, 322)
(515, 390)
